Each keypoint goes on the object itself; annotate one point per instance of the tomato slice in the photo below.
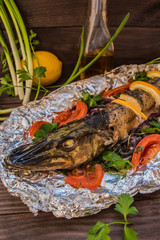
(80, 112)
(63, 116)
(32, 129)
(146, 149)
(90, 177)
(150, 153)
(116, 90)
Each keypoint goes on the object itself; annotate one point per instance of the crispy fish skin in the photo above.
(82, 140)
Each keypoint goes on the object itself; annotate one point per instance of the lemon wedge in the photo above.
(153, 74)
(131, 106)
(155, 92)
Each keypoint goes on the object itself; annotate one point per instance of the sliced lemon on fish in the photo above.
(153, 74)
(155, 92)
(131, 106)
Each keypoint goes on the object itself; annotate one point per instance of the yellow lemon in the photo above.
(52, 64)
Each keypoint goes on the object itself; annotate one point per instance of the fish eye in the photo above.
(68, 144)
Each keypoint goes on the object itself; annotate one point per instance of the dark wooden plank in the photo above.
(46, 226)
(133, 45)
(53, 13)
(10, 204)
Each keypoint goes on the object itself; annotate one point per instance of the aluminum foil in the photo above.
(46, 191)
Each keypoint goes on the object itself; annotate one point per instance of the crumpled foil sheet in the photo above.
(46, 191)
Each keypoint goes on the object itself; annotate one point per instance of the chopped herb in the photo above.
(139, 149)
(90, 101)
(100, 230)
(149, 130)
(44, 130)
(155, 123)
(141, 76)
(113, 160)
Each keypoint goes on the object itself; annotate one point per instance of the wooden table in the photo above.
(58, 25)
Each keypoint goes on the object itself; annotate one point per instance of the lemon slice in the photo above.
(148, 88)
(153, 74)
(131, 106)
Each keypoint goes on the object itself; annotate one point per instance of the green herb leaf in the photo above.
(112, 159)
(139, 149)
(6, 85)
(90, 101)
(155, 123)
(32, 40)
(44, 130)
(149, 130)
(40, 71)
(141, 76)
(99, 231)
(129, 234)
(123, 205)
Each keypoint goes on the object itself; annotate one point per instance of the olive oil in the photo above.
(101, 66)
(96, 37)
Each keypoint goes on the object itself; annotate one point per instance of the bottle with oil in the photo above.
(96, 37)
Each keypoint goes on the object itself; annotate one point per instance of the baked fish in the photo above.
(80, 141)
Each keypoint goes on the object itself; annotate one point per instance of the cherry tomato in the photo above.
(90, 177)
(146, 149)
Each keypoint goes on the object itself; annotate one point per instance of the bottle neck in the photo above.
(97, 34)
(97, 10)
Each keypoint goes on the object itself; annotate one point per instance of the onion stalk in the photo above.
(9, 61)
(6, 22)
(18, 17)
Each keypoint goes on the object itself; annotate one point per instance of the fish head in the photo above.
(64, 148)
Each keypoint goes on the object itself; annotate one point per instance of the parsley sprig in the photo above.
(90, 101)
(113, 160)
(100, 230)
(141, 76)
(44, 130)
(155, 127)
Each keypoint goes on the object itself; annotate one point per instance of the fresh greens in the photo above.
(90, 101)
(155, 127)
(113, 160)
(44, 130)
(100, 230)
(139, 149)
(141, 76)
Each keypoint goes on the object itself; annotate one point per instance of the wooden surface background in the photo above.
(58, 26)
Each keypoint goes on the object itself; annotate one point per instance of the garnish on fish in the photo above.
(82, 140)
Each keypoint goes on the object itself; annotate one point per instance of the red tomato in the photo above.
(146, 149)
(150, 153)
(89, 178)
(63, 116)
(80, 112)
(115, 91)
(32, 129)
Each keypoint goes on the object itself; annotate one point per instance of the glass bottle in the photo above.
(96, 36)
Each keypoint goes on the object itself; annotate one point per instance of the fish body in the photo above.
(82, 140)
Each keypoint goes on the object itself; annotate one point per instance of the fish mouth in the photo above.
(37, 155)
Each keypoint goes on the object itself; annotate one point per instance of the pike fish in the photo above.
(80, 141)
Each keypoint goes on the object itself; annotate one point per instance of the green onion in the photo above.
(27, 47)
(10, 64)
(5, 19)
